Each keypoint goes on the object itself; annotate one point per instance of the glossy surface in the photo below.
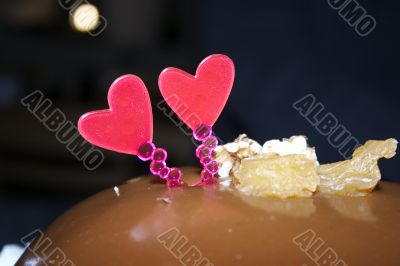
(127, 124)
(199, 99)
(228, 228)
(359, 175)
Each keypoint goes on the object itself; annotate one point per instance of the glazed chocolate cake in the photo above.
(144, 223)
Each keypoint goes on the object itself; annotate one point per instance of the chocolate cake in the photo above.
(144, 223)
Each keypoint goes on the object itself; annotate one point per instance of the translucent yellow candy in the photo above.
(271, 175)
(359, 175)
(268, 174)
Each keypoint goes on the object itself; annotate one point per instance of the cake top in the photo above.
(140, 224)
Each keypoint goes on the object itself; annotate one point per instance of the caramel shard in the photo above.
(359, 175)
(272, 175)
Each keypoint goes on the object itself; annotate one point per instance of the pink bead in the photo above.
(202, 132)
(155, 167)
(202, 151)
(164, 173)
(160, 155)
(145, 151)
(205, 160)
(175, 174)
(213, 167)
(210, 142)
(206, 175)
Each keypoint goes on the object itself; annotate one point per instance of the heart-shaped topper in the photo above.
(199, 99)
(127, 124)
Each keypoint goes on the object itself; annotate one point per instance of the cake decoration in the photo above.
(202, 98)
(282, 169)
(358, 175)
(127, 127)
(263, 209)
(289, 168)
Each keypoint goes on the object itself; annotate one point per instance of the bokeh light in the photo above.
(85, 17)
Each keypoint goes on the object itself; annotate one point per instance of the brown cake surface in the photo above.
(144, 223)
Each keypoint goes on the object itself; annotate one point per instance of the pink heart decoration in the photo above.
(199, 99)
(127, 124)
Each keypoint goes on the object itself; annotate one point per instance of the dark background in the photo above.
(282, 50)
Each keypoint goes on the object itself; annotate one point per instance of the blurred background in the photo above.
(283, 50)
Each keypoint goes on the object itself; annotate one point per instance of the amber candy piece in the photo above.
(359, 175)
(272, 175)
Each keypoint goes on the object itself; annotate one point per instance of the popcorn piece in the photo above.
(229, 155)
(293, 145)
(219, 149)
(255, 147)
(231, 147)
(243, 144)
(225, 169)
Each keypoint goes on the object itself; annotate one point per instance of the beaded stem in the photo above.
(158, 156)
(204, 152)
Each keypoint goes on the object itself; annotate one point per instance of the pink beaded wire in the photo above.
(204, 152)
(148, 151)
(158, 156)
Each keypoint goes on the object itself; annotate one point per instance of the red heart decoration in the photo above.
(199, 99)
(127, 124)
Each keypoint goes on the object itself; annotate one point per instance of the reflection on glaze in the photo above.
(356, 208)
(298, 207)
(158, 219)
(33, 262)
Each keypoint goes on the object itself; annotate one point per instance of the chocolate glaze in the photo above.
(228, 228)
